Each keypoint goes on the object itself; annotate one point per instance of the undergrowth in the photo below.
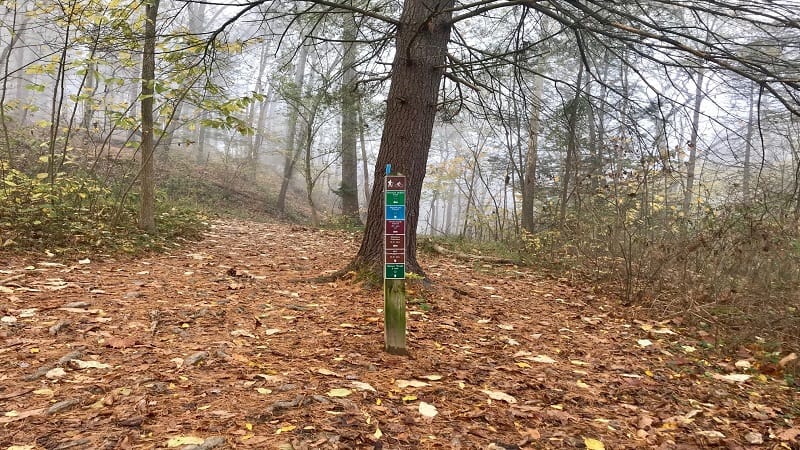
(75, 213)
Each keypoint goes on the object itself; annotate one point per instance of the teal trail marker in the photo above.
(395, 217)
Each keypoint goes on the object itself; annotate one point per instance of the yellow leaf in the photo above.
(44, 391)
(34, 350)
(248, 426)
(581, 384)
(432, 377)
(593, 444)
(263, 391)
(339, 392)
(523, 365)
(378, 433)
(184, 440)
(285, 429)
(409, 398)
(648, 373)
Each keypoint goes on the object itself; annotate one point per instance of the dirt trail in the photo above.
(226, 343)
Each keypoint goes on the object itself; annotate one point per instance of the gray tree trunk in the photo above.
(688, 194)
(291, 151)
(349, 187)
(531, 157)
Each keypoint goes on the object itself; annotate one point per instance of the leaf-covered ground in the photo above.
(228, 343)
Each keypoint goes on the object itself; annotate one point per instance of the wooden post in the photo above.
(394, 273)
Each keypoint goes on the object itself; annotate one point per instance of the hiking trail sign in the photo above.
(395, 215)
(394, 263)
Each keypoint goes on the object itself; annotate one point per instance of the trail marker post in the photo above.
(394, 267)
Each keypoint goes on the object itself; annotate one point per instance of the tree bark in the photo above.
(529, 181)
(746, 193)
(147, 220)
(420, 52)
(349, 186)
(690, 165)
(572, 148)
(291, 151)
(364, 163)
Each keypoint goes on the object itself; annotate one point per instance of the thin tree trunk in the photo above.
(529, 180)
(572, 148)
(349, 187)
(147, 220)
(291, 151)
(746, 194)
(89, 90)
(688, 194)
(364, 162)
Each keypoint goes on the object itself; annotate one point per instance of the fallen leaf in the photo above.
(505, 327)
(324, 371)
(57, 372)
(78, 364)
(184, 440)
(789, 434)
(339, 392)
(363, 386)
(432, 377)
(711, 434)
(743, 364)
(378, 433)
(787, 359)
(263, 391)
(543, 359)
(498, 395)
(271, 331)
(732, 377)
(593, 444)
(285, 429)
(754, 438)
(427, 410)
(245, 333)
(663, 331)
(644, 342)
(410, 383)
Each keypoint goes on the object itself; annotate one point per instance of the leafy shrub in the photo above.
(77, 213)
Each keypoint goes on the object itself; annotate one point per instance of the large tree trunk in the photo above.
(349, 187)
(421, 48)
(147, 216)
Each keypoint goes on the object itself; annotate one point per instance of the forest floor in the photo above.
(229, 343)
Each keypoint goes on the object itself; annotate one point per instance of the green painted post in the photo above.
(394, 273)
